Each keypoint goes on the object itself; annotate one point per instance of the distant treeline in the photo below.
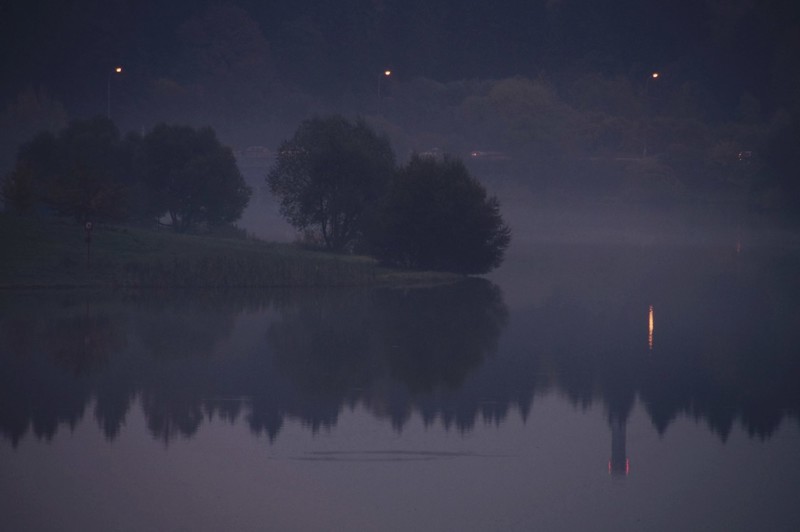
(562, 94)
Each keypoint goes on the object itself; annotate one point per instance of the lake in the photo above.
(592, 383)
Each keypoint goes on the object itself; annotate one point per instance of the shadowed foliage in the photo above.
(438, 217)
(328, 175)
(191, 177)
(83, 172)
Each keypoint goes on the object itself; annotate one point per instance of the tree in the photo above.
(437, 216)
(32, 110)
(191, 177)
(329, 175)
(83, 172)
(37, 163)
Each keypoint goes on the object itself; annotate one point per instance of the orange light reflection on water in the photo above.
(650, 328)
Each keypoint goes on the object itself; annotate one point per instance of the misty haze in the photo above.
(384, 265)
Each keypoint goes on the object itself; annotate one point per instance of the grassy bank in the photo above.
(53, 253)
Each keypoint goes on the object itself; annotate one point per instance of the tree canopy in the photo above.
(191, 177)
(437, 216)
(89, 172)
(83, 172)
(329, 175)
(338, 179)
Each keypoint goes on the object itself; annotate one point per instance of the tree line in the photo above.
(337, 181)
(574, 108)
(172, 175)
(336, 45)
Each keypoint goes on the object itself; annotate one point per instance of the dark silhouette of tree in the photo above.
(328, 175)
(31, 111)
(191, 177)
(438, 217)
(38, 162)
(84, 172)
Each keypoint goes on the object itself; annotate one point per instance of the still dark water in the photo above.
(625, 386)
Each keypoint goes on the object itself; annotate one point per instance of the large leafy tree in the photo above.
(437, 216)
(329, 176)
(191, 177)
(83, 172)
(37, 162)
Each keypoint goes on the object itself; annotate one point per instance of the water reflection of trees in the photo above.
(83, 342)
(427, 351)
(387, 347)
(422, 337)
(49, 366)
(726, 346)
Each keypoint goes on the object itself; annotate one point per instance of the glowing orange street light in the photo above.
(116, 70)
(655, 75)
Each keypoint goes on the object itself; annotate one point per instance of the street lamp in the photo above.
(386, 75)
(115, 70)
(654, 76)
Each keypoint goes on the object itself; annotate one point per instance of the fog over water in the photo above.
(624, 368)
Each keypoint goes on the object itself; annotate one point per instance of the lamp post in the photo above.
(653, 77)
(386, 75)
(88, 228)
(115, 70)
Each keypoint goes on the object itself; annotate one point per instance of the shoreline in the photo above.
(41, 254)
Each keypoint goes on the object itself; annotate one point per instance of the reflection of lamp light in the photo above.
(650, 328)
(614, 470)
(619, 465)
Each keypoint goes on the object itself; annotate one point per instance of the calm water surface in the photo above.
(583, 387)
